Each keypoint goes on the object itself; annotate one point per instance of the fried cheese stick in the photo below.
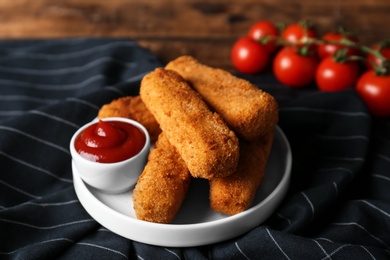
(246, 109)
(163, 185)
(235, 193)
(132, 107)
(209, 148)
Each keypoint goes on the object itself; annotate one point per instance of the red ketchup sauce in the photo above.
(110, 141)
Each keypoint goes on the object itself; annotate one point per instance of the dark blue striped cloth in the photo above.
(337, 206)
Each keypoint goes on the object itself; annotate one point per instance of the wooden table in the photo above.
(205, 29)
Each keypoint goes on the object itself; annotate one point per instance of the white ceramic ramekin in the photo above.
(114, 177)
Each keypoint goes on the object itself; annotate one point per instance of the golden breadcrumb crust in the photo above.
(209, 148)
(235, 193)
(162, 186)
(246, 109)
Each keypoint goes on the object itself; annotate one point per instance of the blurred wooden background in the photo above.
(169, 28)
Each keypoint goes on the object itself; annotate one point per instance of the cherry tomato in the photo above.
(329, 49)
(295, 32)
(260, 30)
(249, 56)
(371, 59)
(375, 92)
(332, 75)
(293, 69)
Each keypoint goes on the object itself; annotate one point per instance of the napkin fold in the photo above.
(337, 206)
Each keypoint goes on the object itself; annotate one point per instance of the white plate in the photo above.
(196, 224)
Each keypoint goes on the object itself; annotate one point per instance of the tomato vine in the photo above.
(299, 58)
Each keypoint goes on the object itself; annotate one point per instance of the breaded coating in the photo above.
(234, 194)
(132, 107)
(162, 186)
(246, 109)
(206, 144)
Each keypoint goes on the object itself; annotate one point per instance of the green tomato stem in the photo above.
(306, 41)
